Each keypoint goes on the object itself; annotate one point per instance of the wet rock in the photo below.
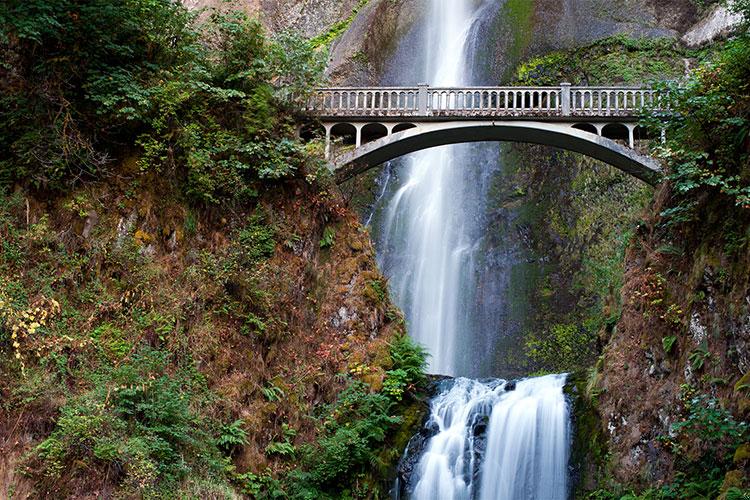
(510, 385)
(697, 330)
(92, 220)
(719, 22)
(124, 227)
(414, 451)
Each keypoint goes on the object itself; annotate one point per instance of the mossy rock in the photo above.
(733, 479)
(742, 455)
(588, 452)
(142, 237)
(356, 245)
(743, 385)
(743, 405)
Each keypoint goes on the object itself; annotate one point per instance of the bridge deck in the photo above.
(434, 103)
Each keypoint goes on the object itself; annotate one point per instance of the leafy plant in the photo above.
(232, 435)
(352, 429)
(699, 356)
(97, 74)
(329, 237)
(134, 417)
(668, 343)
(272, 393)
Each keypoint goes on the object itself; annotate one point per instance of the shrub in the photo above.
(353, 427)
(136, 418)
(208, 101)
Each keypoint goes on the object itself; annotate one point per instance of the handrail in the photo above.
(426, 101)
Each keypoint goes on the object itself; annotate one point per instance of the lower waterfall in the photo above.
(494, 440)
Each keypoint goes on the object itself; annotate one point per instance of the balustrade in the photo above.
(425, 101)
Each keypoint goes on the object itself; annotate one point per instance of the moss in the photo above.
(743, 384)
(520, 15)
(618, 59)
(325, 39)
(588, 455)
(413, 418)
(742, 454)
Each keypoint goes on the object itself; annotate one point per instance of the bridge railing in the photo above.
(426, 101)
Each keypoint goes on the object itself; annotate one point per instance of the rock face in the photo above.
(386, 35)
(307, 17)
(362, 54)
(717, 23)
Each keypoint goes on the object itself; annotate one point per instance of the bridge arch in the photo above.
(346, 132)
(432, 134)
(372, 132)
(586, 127)
(616, 132)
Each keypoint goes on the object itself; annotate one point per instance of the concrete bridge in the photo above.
(370, 126)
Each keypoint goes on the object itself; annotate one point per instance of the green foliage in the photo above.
(272, 393)
(668, 343)
(137, 418)
(618, 59)
(232, 435)
(352, 428)
(256, 240)
(563, 347)
(377, 290)
(326, 38)
(329, 237)
(707, 132)
(284, 448)
(355, 428)
(704, 487)
(410, 360)
(87, 78)
(260, 485)
(395, 384)
(699, 356)
(708, 421)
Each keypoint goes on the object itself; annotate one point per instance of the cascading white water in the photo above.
(490, 442)
(527, 441)
(430, 218)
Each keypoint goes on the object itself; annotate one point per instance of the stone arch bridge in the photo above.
(375, 125)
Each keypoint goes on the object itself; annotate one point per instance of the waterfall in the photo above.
(496, 440)
(490, 439)
(433, 222)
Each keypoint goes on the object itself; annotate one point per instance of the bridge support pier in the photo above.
(358, 139)
(631, 135)
(328, 141)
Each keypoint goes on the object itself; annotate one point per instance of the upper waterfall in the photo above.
(432, 221)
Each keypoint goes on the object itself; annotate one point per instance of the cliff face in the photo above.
(684, 331)
(306, 17)
(269, 304)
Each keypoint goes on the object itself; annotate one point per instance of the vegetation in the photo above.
(701, 224)
(355, 428)
(707, 136)
(326, 38)
(614, 60)
(208, 104)
(164, 329)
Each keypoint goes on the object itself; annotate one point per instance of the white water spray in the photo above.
(527, 439)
